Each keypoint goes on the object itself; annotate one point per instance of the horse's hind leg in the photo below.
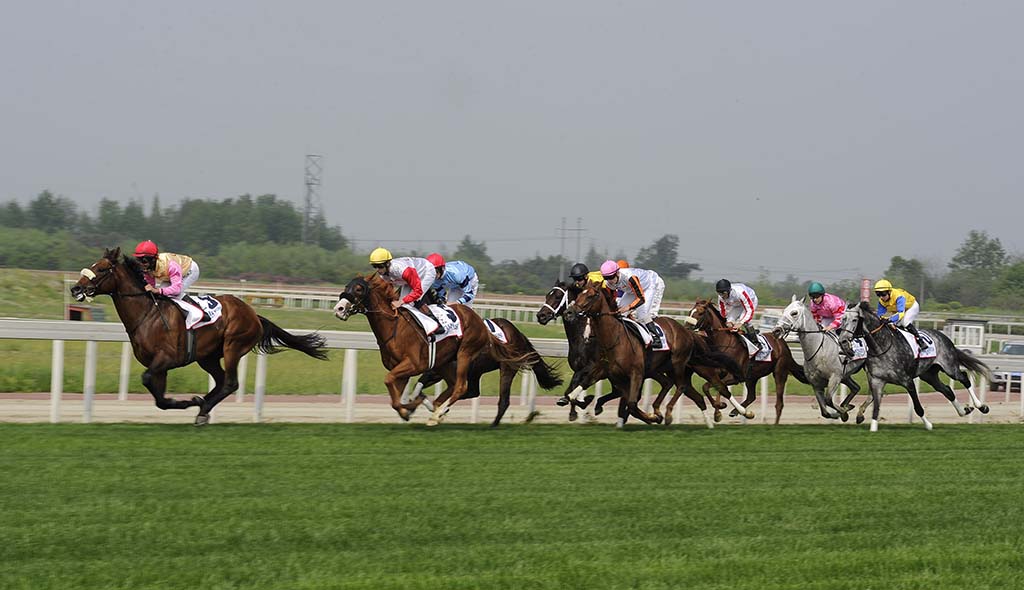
(156, 382)
(507, 374)
(918, 408)
(931, 377)
(222, 387)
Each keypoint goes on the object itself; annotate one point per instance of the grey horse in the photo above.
(824, 366)
(892, 360)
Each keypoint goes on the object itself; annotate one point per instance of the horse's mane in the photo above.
(134, 270)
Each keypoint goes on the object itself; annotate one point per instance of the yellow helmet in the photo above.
(883, 285)
(380, 256)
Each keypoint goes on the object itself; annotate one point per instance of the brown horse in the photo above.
(156, 329)
(780, 364)
(622, 358)
(484, 362)
(406, 352)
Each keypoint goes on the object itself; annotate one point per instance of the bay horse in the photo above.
(405, 350)
(156, 330)
(891, 359)
(824, 365)
(622, 358)
(780, 364)
(484, 363)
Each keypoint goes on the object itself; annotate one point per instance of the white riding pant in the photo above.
(652, 304)
(426, 282)
(910, 315)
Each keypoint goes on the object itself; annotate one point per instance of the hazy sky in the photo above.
(819, 138)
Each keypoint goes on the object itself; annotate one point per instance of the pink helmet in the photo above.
(146, 248)
(436, 259)
(609, 268)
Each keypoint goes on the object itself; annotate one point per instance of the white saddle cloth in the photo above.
(451, 325)
(211, 306)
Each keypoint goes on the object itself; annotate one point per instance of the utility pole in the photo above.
(561, 253)
(311, 209)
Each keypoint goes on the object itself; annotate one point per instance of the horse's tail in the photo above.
(971, 363)
(525, 356)
(795, 368)
(274, 336)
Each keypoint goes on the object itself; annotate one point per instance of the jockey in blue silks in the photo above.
(456, 280)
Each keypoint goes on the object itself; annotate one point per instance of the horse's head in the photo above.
(353, 299)
(705, 316)
(592, 301)
(99, 278)
(852, 325)
(792, 318)
(555, 303)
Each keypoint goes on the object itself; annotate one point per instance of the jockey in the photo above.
(174, 273)
(413, 276)
(641, 294)
(826, 308)
(737, 303)
(898, 307)
(456, 280)
(581, 275)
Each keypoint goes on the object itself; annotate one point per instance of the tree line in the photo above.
(260, 239)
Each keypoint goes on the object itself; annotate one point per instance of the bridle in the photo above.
(562, 304)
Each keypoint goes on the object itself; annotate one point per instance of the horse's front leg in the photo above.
(396, 380)
(875, 385)
(918, 408)
(463, 360)
(636, 382)
(666, 385)
(155, 380)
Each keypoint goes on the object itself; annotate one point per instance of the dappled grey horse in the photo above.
(891, 359)
(824, 366)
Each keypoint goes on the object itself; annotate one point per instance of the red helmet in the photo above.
(147, 248)
(436, 259)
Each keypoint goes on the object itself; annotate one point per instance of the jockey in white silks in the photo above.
(642, 291)
(413, 276)
(737, 303)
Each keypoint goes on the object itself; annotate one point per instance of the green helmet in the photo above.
(816, 289)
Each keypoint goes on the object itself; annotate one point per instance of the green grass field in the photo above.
(375, 506)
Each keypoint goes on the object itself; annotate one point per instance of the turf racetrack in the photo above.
(399, 506)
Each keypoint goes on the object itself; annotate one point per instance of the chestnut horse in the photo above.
(405, 350)
(484, 362)
(156, 329)
(622, 358)
(781, 363)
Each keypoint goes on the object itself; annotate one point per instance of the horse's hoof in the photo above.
(598, 410)
(531, 416)
(734, 413)
(749, 415)
(844, 415)
(197, 400)
(586, 401)
(202, 420)
(659, 419)
(562, 401)
(968, 410)
(983, 409)
(718, 416)
(404, 414)
(620, 423)
(433, 421)
(860, 419)
(668, 420)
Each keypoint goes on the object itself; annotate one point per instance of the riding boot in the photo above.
(188, 299)
(425, 310)
(655, 339)
(917, 335)
(751, 335)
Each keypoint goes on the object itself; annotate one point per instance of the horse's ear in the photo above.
(793, 299)
(801, 299)
(865, 306)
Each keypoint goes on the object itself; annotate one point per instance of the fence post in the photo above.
(56, 380)
(89, 381)
(260, 389)
(348, 383)
(532, 392)
(645, 400)
(243, 370)
(524, 387)
(474, 416)
(126, 365)
(763, 385)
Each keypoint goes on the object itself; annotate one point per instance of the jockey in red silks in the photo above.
(170, 275)
(827, 309)
(413, 276)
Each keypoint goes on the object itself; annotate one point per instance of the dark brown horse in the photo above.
(484, 362)
(406, 352)
(780, 364)
(622, 358)
(156, 329)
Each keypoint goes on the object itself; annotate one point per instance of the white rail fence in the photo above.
(59, 331)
